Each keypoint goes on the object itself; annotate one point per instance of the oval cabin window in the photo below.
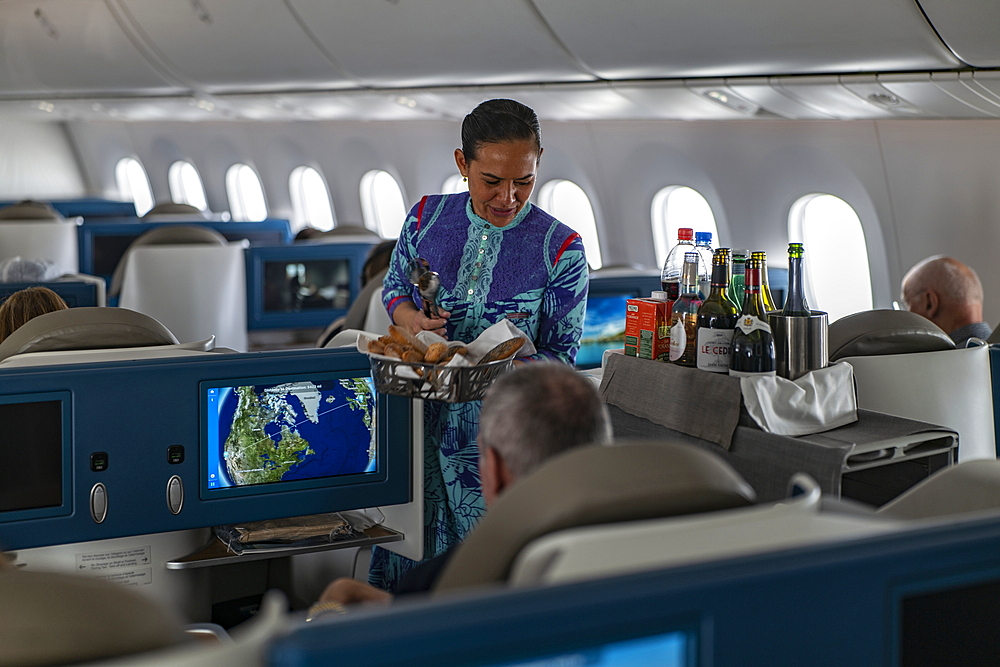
(454, 184)
(246, 195)
(311, 199)
(186, 186)
(679, 206)
(837, 276)
(382, 204)
(133, 185)
(570, 205)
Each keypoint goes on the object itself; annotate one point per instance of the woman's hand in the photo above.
(411, 318)
(349, 591)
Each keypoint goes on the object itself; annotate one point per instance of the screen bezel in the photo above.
(380, 474)
(66, 506)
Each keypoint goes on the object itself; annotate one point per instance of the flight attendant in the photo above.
(498, 257)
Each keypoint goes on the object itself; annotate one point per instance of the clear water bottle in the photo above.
(670, 277)
(703, 244)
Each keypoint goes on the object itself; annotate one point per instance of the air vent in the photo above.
(883, 99)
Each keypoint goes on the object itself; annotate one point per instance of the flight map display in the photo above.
(268, 433)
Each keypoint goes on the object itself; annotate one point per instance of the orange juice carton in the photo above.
(647, 329)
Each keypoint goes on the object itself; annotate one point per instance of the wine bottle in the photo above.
(670, 277)
(684, 316)
(795, 302)
(765, 286)
(753, 344)
(716, 319)
(737, 285)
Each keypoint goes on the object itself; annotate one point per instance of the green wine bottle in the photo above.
(716, 319)
(753, 343)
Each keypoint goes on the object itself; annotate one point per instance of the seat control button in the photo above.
(98, 503)
(175, 494)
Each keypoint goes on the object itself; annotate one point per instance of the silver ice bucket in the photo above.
(799, 343)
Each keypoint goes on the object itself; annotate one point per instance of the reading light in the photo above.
(48, 107)
(883, 99)
(731, 101)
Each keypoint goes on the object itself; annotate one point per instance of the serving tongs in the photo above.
(428, 284)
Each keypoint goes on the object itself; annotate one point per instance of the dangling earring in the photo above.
(465, 179)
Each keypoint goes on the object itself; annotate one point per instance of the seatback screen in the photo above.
(31, 452)
(280, 432)
(603, 328)
(317, 284)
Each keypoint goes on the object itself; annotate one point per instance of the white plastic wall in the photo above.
(37, 161)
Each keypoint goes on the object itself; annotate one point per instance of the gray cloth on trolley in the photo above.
(695, 403)
(768, 461)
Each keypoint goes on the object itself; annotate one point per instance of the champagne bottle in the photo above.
(670, 277)
(716, 319)
(753, 344)
(737, 285)
(765, 287)
(795, 302)
(684, 317)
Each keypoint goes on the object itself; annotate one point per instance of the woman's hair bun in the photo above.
(496, 121)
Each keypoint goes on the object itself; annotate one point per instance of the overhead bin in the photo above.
(439, 42)
(235, 46)
(649, 38)
(968, 27)
(71, 47)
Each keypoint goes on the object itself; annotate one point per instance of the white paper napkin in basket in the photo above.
(818, 401)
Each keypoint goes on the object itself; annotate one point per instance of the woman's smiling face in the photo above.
(501, 178)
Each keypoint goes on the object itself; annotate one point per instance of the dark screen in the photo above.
(108, 250)
(31, 446)
(957, 626)
(320, 284)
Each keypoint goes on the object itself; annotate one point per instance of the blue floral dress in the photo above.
(534, 273)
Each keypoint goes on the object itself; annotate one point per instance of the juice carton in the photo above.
(647, 329)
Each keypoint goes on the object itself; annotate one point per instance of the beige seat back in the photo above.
(882, 332)
(966, 487)
(54, 619)
(86, 329)
(169, 235)
(55, 240)
(630, 481)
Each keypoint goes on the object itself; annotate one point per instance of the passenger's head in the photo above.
(532, 414)
(501, 145)
(378, 260)
(945, 291)
(25, 305)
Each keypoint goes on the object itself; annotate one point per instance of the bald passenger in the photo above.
(949, 294)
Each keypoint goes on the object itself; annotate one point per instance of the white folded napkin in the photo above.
(818, 401)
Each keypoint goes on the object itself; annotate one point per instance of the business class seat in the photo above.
(197, 288)
(972, 486)
(629, 481)
(31, 230)
(92, 334)
(367, 309)
(174, 212)
(172, 235)
(54, 619)
(906, 366)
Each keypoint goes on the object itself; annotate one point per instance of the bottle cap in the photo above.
(659, 296)
(741, 252)
(685, 234)
(703, 237)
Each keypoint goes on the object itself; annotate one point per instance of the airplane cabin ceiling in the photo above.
(968, 27)
(73, 47)
(679, 38)
(224, 46)
(439, 42)
(435, 59)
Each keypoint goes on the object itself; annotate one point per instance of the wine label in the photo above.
(748, 324)
(714, 346)
(678, 339)
(744, 374)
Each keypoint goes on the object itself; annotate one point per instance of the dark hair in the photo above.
(25, 305)
(538, 411)
(496, 121)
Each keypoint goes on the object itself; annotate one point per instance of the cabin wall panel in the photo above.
(945, 182)
(37, 160)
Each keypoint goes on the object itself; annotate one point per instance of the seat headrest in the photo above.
(333, 235)
(586, 486)
(877, 332)
(86, 329)
(167, 235)
(172, 208)
(29, 210)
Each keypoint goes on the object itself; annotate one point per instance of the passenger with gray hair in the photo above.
(529, 416)
(949, 294)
